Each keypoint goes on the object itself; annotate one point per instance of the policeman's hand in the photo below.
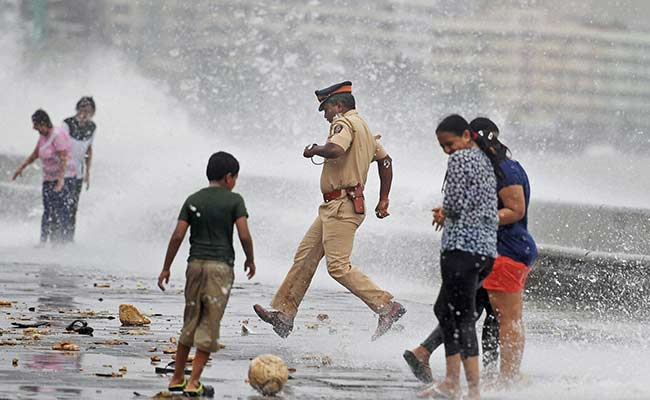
(163, 277)
(438, 218)
(59, 185)
(249, 268)
(308, 152)
(381, 211)
(17, 174)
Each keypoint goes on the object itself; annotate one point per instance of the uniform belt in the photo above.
(337, 194)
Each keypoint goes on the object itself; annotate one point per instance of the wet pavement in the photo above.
(568, 355)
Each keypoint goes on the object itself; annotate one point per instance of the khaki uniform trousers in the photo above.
(331, 235)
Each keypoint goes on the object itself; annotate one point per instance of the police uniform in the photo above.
(332, 233)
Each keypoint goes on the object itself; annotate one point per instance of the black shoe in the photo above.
(387, 319)
(282, 324)
(421, 370)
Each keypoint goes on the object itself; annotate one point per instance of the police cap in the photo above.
(324, 94)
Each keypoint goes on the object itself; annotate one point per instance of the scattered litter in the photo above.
(159, 395)
(109, 375)
(245, 330)
(107, 365)
(14, 362)
(137, 332)
(32, 325)
(66, 345)
(172, 340)
(310, 325)
(102, 285)
(123, 369)
(8, 343)
(323, 360)
(32, 309)
(6, 303)
(81, 327)
(112, 342)
(155, 359)
(169, 350)
(221, 346)
(153, 349)
(292, 370)
(130, 316)
(322, 317)
(88, 313)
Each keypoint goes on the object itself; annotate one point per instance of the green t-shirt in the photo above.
(211, 213)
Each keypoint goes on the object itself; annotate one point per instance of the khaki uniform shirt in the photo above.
(350, 132)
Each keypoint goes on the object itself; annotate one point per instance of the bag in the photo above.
(356, 195)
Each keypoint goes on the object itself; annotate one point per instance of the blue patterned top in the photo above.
(470, 204)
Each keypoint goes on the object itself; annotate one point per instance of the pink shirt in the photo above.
(48, 146)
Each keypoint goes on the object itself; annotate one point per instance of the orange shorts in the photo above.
(507, 275)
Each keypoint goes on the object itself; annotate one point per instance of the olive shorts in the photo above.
(207, 289)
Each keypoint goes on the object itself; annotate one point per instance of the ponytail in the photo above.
(485, 134)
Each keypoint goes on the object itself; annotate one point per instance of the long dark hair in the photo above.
(485, 134)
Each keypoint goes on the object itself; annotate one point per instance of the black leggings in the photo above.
(456, 304)
(489, 338)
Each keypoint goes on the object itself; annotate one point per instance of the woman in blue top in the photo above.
(515, 247)
(469, 219)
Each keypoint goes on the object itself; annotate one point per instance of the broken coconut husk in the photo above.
(66, 345)
(130, 316)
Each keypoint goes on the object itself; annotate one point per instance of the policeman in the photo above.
(348, 153)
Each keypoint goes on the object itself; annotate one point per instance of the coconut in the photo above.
(268, 374)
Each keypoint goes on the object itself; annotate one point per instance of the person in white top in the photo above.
(81, 129)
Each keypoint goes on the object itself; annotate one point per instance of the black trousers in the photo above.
(74, 205)
(455, 307)
(489, 338)
(55, 223)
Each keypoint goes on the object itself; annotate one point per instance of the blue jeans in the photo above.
(55, 224)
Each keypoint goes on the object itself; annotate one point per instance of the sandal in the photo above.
(434, 392)
(30, 325)
(202, 391)
(83, 329)
(179, 387)
(421, 370)
(169, 369)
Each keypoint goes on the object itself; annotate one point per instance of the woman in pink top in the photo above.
(59, 172)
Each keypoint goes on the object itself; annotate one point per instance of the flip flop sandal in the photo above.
(421, 371)
(178, 387)
(31, 325)
(434, 393)
(169, 369)
(82, 329)
(202, 391)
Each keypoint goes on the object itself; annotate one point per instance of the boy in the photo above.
(210, 214)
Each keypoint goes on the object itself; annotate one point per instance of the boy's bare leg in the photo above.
(179, 367)
(472, 375)
(200, 359)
